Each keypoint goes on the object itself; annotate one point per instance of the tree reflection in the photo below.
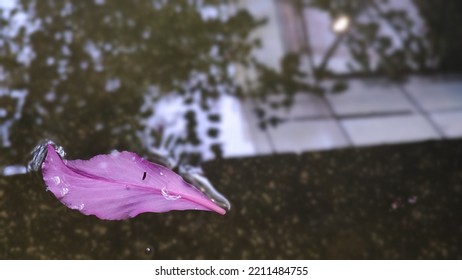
(93, 70)
(88, 65)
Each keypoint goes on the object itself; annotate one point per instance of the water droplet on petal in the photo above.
(169, 196)
(161, 173)
(64, 191)
(56, 180)
(60, 151)
(76, 207)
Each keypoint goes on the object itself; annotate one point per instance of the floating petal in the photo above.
(120, 185)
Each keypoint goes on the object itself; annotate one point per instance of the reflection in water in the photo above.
(89, 68)
(13, 170)
(341, 24)
(11, 105)
(94, 71)
(88, 73)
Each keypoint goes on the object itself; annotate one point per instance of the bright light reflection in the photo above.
(341, 24)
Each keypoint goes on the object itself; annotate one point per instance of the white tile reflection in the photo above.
(449, 122)
(389, 129)
(370, 97)
(299, 136)
(368, 113)
(436, 93)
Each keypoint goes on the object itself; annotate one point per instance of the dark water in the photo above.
(87, 73)
(371, 203)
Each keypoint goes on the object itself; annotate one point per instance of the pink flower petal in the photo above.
(120, 186)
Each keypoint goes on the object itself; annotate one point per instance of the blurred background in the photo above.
(331, 125)
(209, 79)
